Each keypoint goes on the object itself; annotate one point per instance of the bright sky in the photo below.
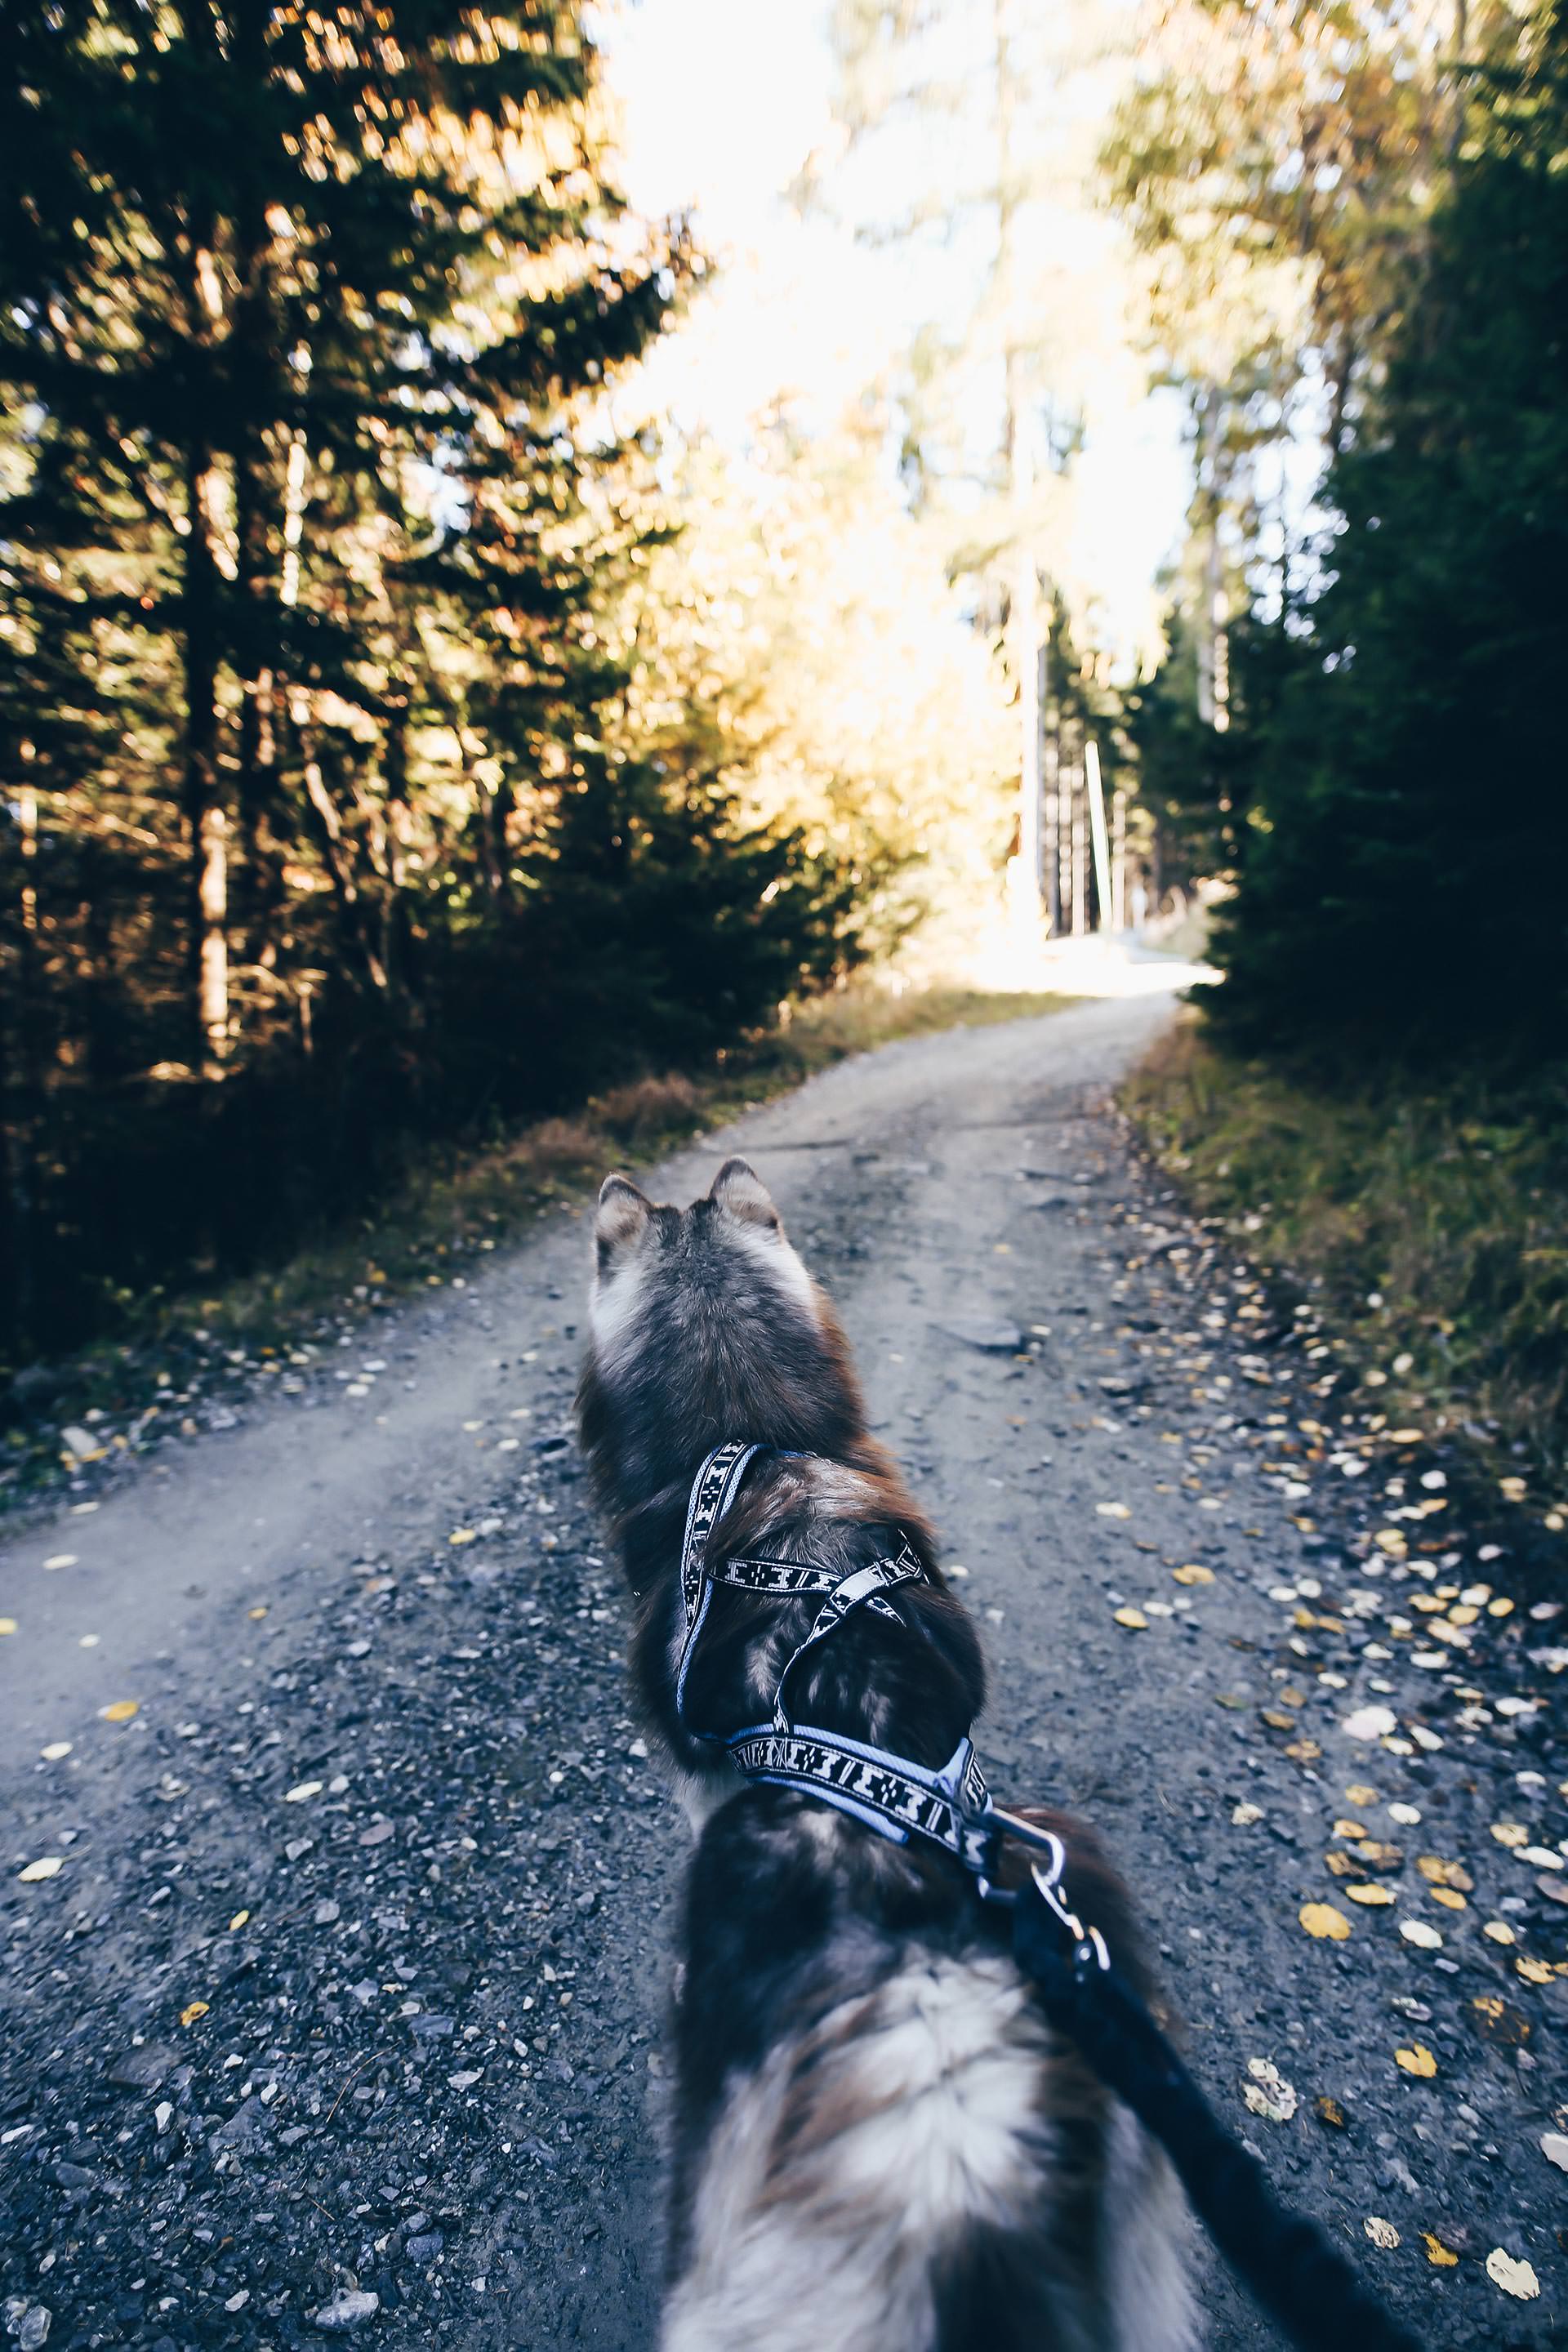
(721, 101)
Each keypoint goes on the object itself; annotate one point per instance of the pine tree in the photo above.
(1405, 880)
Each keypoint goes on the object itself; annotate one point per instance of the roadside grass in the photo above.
(451, 1203)
(1427, 1215)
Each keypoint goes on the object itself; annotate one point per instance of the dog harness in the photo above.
(951, 1807)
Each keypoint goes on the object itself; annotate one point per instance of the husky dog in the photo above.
(878, 2144)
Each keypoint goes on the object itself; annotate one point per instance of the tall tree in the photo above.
(1409, 831)
(960, 129)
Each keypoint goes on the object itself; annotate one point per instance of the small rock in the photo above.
(325, 1913)
(425, 2249)
(243, 2128)
(143, 2068)
(990, 1338)
(350, 2307)
(33, 2328)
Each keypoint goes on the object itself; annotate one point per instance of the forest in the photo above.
(409, 726)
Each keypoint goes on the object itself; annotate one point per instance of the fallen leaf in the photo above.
(238, 1920)
(1514, 2278)
(1321, 1919)
(1555, 2148)
(1267, 2093)
(1498, 2022)
(1438, 1873)
(462, 1536)
(300, 1790)
(193, 2010)
(1439, 2255)
(55, 1750)
(1498, 1931)
(7, 1624)
(1348, 1829)
(1381, 2233)
(1360, 1794)
(1511, 1833)
(1106, 1511)
(1534, 1971)
(1276, 1721)
(1368, 1723)
(49, 1865)
(1370, 1894)
(120, 1710)
(1416, 2060)
(1405, 1815)
(1449, 1897)
(1303, 1752)
(1193, 1574)
(1245, 1815)
(1134, 1619)
(1424, 1938)
(1329, 2111)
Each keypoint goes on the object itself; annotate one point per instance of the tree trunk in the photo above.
(206, 824)
(21, 1095)
(1100, 839)
(1119, 860)
(336, 853)
(1024, 631)
(1051, 786)
(1080, 845)
(252, 354)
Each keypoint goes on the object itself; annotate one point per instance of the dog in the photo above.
(878, 2143)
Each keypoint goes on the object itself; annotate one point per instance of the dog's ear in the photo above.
(622, 1219)
(739, 1189)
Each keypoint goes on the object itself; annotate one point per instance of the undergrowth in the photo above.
(1428, 1215)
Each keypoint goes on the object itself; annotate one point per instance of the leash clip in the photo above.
(1004, 1824)
(1089, 1944)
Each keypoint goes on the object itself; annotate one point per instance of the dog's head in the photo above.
(706, 1326)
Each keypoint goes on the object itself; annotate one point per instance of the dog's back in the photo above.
(878, 2144)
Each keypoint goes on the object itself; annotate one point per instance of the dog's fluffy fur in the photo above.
(879, 2146)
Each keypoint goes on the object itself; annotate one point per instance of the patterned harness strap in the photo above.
(898, 1798)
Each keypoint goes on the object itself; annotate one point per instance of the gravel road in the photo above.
(337, 1887)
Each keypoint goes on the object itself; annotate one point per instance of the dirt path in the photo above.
(348, 1980)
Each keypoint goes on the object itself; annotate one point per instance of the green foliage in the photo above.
(1403, 882)
(1430, 1215)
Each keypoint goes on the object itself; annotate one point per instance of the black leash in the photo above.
(1287, 2265)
